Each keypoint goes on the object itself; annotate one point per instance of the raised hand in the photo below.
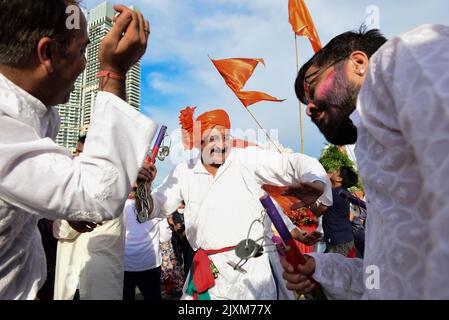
(147, 173)
(126, 43)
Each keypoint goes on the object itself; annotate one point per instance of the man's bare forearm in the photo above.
(318, 210)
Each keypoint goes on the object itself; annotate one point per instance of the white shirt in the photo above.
(142, 250)
(402, 153)
(39, 179)
(219, 210)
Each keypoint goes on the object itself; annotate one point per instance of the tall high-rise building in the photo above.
(70, 114)
(100, 21)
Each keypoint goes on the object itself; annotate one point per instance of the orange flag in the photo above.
(302, 23)
(236, 73)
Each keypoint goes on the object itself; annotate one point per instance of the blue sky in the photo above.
(176, 71)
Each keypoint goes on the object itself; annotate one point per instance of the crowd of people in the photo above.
(207, 235)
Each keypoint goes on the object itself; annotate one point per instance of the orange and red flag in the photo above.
(302, 23)
(236, 73)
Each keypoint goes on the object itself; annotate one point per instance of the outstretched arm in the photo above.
(305, 175)
(167, 197)
(40, 177)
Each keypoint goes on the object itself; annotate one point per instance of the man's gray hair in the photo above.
(25, 22)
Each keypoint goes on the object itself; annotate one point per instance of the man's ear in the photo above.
(45, 53)
(360, 62)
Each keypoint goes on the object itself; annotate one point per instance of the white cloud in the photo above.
(165, 85)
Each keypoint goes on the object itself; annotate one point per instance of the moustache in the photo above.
(218, 150)
(320, 106)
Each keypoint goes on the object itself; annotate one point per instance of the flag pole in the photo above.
(262, 128)
(299, 103)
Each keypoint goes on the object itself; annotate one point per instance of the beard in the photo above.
(338, 105)
(345, 134)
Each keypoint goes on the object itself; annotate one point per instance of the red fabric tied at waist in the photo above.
(203, 277)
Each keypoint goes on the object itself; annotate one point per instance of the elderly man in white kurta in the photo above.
(38, 178)
(221, 191)
(402, 118)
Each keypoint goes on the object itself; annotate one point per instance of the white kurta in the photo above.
(402, 153)
(92, 262)
(39, 179)
(219, 210)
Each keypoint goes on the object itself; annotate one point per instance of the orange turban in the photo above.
(204, 122)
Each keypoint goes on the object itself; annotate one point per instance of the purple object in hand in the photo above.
(157, 144)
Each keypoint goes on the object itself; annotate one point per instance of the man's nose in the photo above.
(220, 143)
(311, 108)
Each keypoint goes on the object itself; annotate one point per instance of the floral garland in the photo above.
(303, 217)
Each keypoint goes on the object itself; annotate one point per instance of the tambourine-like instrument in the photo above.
(143, 193)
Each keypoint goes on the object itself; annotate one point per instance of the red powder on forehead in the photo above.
(327, 84)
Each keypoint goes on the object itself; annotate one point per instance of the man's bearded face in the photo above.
(332, 98)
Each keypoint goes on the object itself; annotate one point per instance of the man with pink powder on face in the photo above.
(391, 98)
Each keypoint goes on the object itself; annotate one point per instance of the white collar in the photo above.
(26, 103)
(199, 167)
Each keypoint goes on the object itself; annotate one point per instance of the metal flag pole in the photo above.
(266, 133)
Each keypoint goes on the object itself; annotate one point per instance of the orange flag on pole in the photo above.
(236, 73)
(302, 23)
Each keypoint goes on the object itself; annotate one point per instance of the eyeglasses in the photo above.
(309, 85)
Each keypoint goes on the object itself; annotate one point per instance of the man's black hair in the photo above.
(339, 49)
(82, 139)
(348, 177)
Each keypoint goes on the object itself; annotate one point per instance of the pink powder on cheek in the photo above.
(326, 85)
